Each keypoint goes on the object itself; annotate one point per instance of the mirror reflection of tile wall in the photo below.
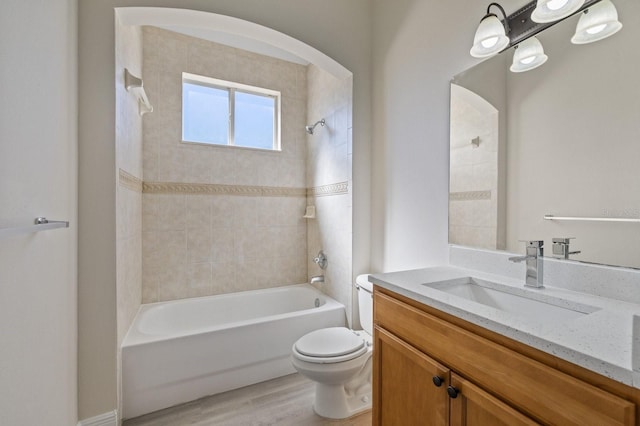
(473, 198)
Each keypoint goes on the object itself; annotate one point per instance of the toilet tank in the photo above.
(365, 302)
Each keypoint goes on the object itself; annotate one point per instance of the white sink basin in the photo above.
(531, 304)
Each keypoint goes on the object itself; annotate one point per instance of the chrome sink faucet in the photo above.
(534, 259)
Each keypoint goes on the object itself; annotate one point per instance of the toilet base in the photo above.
(335, 401)
(342, 389)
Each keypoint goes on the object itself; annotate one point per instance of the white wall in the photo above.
(418, 46)
(38, 144)
(341, 29)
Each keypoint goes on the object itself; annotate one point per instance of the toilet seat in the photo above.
(330, 345)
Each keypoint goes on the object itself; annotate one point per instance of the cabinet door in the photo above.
(474, 407)
(404, 392)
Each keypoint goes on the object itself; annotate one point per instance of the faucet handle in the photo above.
(533, 243)
(561, 247)
(321, 260)
(562, 240)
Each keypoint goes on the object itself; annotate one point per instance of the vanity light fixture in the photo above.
(599, 20)
(596, 23)
(554, 10)
(528, 55)
(491, 35)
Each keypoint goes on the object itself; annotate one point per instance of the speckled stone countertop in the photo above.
(605, 341)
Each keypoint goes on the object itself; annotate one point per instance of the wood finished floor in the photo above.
(285, 401)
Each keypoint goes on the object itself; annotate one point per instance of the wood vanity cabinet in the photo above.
(431, 368)
(413, 385)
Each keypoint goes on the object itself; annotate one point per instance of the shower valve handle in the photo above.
(321, 260)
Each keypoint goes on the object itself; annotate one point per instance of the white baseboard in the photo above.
(106, 419)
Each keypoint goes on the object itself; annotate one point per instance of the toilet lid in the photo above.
(329, 342)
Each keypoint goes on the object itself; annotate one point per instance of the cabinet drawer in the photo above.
(538, 390)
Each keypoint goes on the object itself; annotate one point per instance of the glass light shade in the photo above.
(490, 38)
(528, 55)
(553, 10)
(598, 22)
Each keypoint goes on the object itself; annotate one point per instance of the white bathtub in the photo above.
(182, 350)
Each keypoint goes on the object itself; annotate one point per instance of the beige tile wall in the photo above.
(329, 162)
(128, 198)
(129, 159)
(197, 245)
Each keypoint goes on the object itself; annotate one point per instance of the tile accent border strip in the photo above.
(241, 190)
(218, 189)
(129, 181)
(470, 196)
(331, 189)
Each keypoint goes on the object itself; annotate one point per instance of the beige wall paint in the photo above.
(347, 40)
(38, 157)
(329, 161)
(201, 245)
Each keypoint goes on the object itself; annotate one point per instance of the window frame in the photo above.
(232, 87)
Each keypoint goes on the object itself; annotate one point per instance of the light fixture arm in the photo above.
(522, 26)
(491, 35)
(505, 21)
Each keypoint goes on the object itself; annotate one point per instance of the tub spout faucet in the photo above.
(534, 259)
(317, 279)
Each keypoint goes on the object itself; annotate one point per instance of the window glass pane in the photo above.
(254, 120)
(205, 114)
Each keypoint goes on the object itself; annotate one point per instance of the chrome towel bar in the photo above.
(40, 224)
(593, 219)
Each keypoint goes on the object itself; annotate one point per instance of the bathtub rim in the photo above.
(142, 339)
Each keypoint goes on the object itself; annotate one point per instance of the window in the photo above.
(219, 112)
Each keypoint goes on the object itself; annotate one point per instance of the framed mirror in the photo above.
(554, 152)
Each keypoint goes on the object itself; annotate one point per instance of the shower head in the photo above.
(310, 128)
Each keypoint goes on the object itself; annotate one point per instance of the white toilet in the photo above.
(339, 361)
